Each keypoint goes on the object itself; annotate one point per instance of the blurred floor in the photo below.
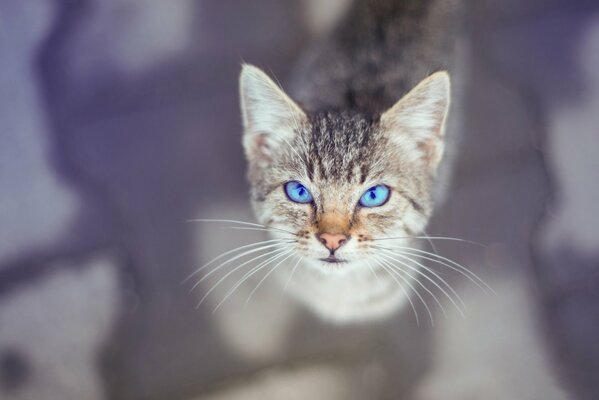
(119, 122)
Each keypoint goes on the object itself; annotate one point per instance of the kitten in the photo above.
(351, 164)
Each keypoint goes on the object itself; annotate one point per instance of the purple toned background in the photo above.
(119, 121)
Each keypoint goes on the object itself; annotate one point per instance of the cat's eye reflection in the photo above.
(376, 196)
(297, 192)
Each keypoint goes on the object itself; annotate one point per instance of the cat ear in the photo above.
(417, 121)
(269, 116)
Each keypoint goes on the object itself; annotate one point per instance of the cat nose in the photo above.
(332, 241)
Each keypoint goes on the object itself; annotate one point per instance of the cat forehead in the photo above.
(341, 146)
(341, 129)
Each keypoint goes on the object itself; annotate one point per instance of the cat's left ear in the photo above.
(417, 121)
(270, 117)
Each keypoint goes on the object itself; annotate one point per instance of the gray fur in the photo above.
(381, 50)
(350, 131)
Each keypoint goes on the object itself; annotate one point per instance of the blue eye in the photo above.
(375, 196)
(298, 192)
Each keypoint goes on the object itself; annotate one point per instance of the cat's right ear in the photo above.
(270, 117)
(417, 121)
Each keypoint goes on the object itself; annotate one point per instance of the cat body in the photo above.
(380, 51)
(343, 175)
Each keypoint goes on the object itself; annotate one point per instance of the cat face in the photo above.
(334, 184)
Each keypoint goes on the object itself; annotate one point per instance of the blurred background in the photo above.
(119, 121)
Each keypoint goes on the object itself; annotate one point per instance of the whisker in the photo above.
(291, 275)
(376, 277)
(224, 220)
(429, 238)
(266, 276)
(269, 254)
(460, 268)
(233, 259)
(430, 280)
(397, 272)
(248, 274)
(420, 283)
(379, 262)
(247, 228)
(430, 241)
(404, 255)
(234, 221)
(233, 251)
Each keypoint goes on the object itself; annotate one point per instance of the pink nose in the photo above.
(332, 241)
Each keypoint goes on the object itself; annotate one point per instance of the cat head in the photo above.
(336, 182)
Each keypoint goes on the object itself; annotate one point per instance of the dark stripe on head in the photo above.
(363, 173)
(310, 169)
(417, 206)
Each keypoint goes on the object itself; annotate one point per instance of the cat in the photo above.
(344, 174)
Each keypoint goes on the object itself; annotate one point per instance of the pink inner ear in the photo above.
(430, 152)
(260, 148)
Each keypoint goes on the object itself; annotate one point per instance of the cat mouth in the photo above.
(333, 260)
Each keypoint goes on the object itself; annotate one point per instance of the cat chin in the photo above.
(349, 312)
(345, 296)
(330, 268)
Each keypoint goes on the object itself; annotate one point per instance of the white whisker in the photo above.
(248, 274)
(397, 272)
(376, 277)
(247, 228)
(239, 222)
(431, 238)
(266, 276)
(430, 280)
(233, 259)
(389, 259)
(224, 220)
(233, 251)
(269, 254)
(460, 268)
(244, 277)
(291, 275)
(428, 238)
(379, 262)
